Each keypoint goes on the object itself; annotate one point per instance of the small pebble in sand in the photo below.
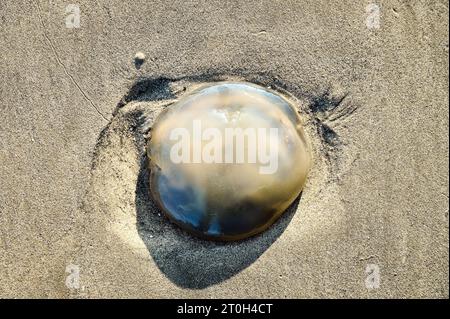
(139, 59)
(227, 160)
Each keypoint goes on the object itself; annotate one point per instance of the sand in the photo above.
(373, 218)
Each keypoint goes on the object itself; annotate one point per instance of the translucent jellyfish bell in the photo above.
(227, 160)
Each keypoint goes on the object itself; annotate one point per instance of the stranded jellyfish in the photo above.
(227, 160)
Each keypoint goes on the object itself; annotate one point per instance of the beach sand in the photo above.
(372, 221)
